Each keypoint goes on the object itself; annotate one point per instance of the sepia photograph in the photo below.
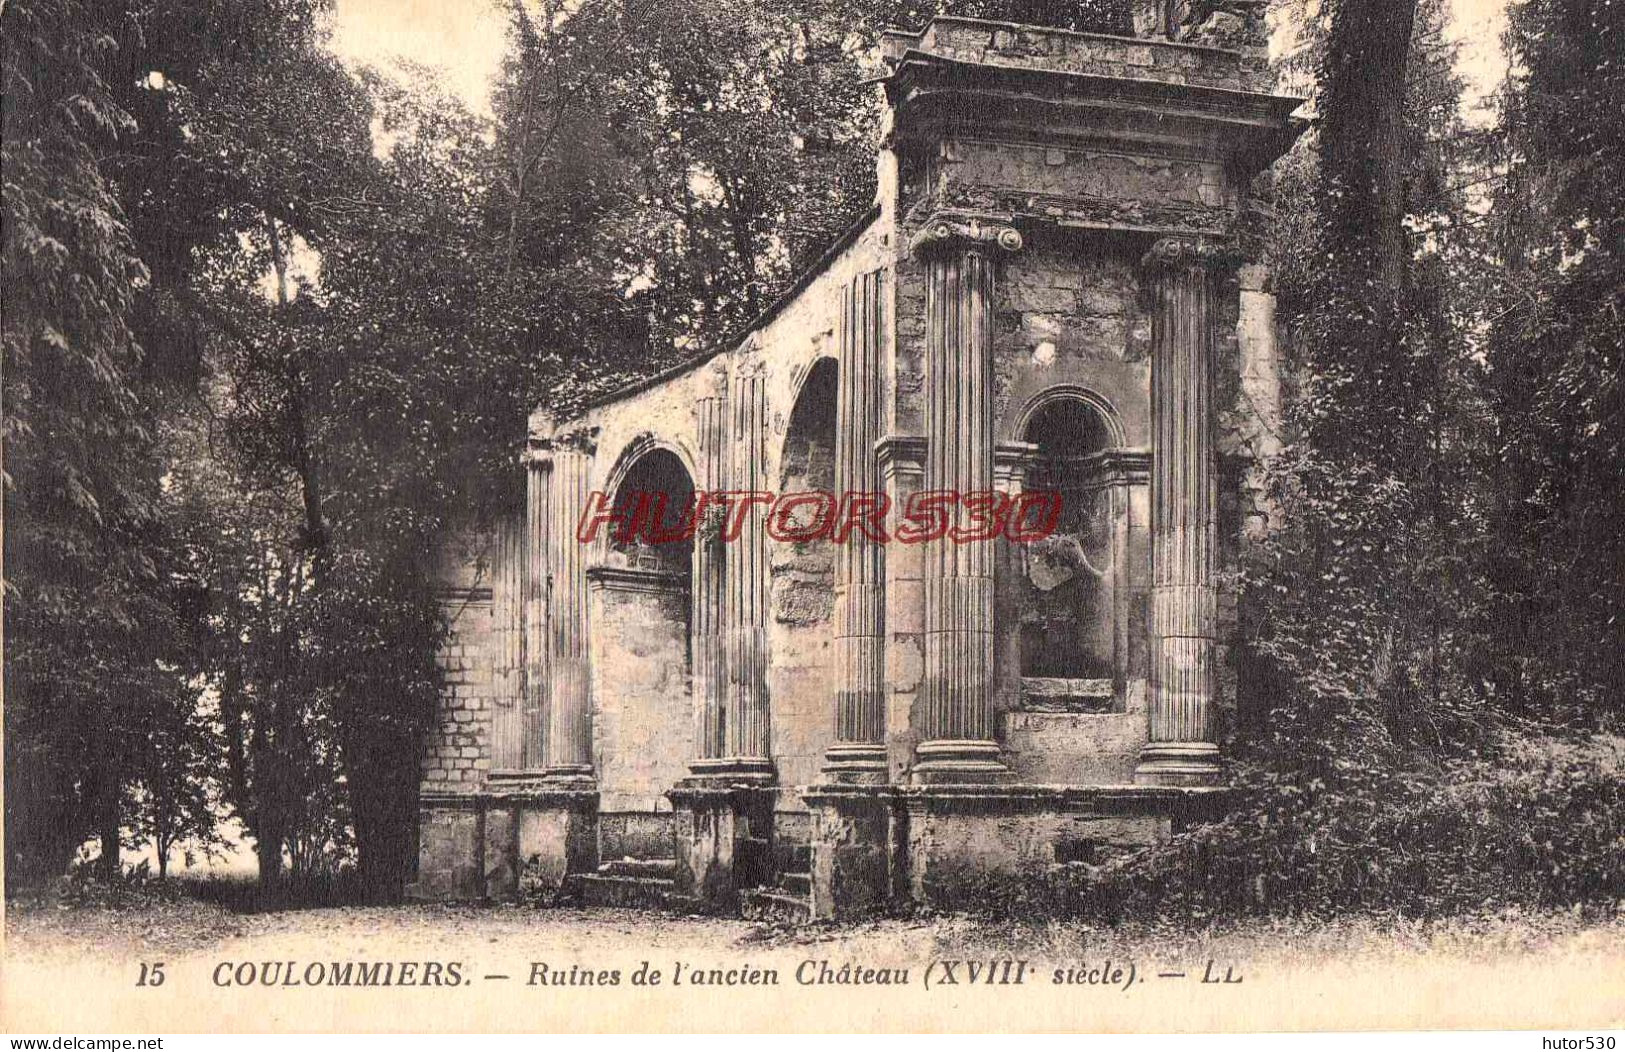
(863, 516)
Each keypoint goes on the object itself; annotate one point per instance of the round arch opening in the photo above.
(1068, 580)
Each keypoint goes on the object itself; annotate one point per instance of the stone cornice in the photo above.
(900, 449)
(636, 579)
(1012, 459)
(576, 440)
(542, 437)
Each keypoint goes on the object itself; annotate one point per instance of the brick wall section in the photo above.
(457, 756)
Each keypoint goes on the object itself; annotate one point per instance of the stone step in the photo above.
(796, 883)
(775, 905)
(639, 867)
(607, 889)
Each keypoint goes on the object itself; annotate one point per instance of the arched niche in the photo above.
(641, 640)
(803, 571)
(1072, 585)
(802, 582)
(652, 501)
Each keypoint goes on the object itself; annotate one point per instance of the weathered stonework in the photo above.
(1049, 292)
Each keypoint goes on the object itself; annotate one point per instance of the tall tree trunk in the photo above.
(110, 827)
(304, 453)
(163, 844)
(1363, 127)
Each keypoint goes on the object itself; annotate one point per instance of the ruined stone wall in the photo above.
(801, 636)
(1249, 402)
(628, 706)
(1069, 314)
(642, 697)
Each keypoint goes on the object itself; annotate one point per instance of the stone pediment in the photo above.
(1083, 130)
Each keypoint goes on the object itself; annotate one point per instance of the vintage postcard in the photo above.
(814, 515)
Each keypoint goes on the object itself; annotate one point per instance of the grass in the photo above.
(192, 915)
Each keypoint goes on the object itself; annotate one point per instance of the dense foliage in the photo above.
(1557, 350)
(1401, 760)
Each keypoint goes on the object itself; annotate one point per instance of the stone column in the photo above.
(958, 733)
(1184, 520)
(859, 751)
(569, 728)
(710, 672)
(538, 460)
(746, 742)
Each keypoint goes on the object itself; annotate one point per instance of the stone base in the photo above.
(945, 762)
(853, 849)
(451, 835)
(1179, 764)
(855, 763)
(941, 845)
(526, 839)
(723, 837)
(729, 771)
(557, 832)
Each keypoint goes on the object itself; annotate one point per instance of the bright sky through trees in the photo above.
(466, 40)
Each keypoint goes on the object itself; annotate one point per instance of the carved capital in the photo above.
(959, 230)
(540, 425)
(576, 440)
(1174, 253)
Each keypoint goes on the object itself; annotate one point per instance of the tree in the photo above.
(1374, 586)
(82, 595)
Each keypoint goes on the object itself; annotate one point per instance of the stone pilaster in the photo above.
(1184, 519)
(568, 741)
(710, 670)
(1011, 463)
(746, 741)
(859, 751)
(901, 462)
(538, 460)
(958, 733)
(508, 628)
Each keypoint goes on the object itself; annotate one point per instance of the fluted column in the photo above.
(710, 669)
(746, 742)
(958, 732)
(538, 460)
(1184, 519)
(569, 729)
(859, 752)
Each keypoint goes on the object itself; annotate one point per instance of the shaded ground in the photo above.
(1547, 969)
